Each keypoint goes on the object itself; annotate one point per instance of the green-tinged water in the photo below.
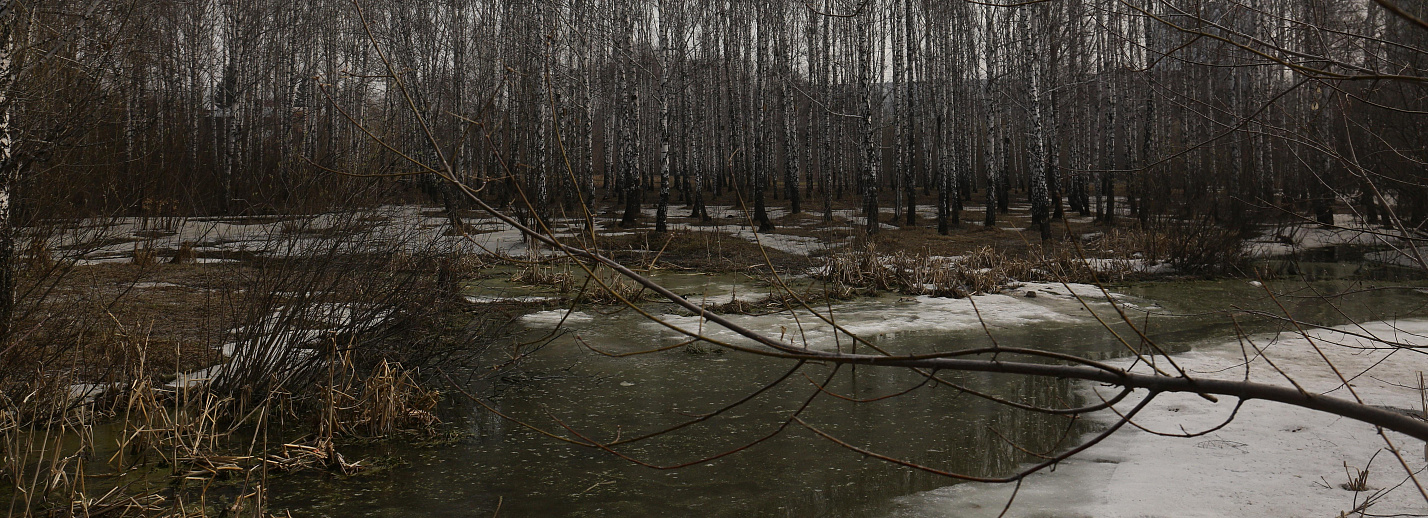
(566, 389)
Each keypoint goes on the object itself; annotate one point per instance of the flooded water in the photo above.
(567, 389)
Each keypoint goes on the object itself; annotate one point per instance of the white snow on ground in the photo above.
(285, 338)
(1273, 460)
(797, 245)
(1347, 230)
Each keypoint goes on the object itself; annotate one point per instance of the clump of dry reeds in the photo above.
(1116, 255)
(610, 290)
(37, 255)
(983, 271)
(51, 456)
(185, 254)
(392, 400)
(173, 434)
(145, 255)
(544, 276)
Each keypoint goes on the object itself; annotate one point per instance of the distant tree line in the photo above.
(1158, 110)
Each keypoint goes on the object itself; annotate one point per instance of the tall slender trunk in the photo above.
(991, 162)
(1036, 154)
(9, 170)
(763, 144)
(790, 116)
(910, 90)
(826, 164)
(873, 160)
(662, 211)
(629, 148)
(544, 113)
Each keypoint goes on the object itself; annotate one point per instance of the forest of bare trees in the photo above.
(215, 214)
(1146, 110)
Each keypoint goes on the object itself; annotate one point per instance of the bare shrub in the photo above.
(1192, 247)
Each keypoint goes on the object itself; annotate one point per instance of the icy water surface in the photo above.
(567, 388)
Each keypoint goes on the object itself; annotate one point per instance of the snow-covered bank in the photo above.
(1273, 460)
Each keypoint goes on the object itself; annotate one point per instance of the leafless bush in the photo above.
(1193, 247)
(378, 304)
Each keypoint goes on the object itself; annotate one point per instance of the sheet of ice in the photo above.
(1403, 256)
(1069, 290)
(889, 317)
(284, 339)
(725, 293)
(387, 228)
(1273, 460)
(524, 299)
(89, 391)
(797, 245)
(155, 285)
(1127, 265)
(554, 316)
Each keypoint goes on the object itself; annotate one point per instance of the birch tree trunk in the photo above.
(991, 162)
(1036, 154)
(908, 100)
(759, 103)
(630, 119)
(790, 115)
(871, 142)
(9, 168)
(662, 211)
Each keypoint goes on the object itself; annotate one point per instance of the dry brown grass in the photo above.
(185, 254)
(611, 289)
(37, 255)
(982, 271)
(536, 275)
(144, 255)
(390, 399)
(171, 443)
